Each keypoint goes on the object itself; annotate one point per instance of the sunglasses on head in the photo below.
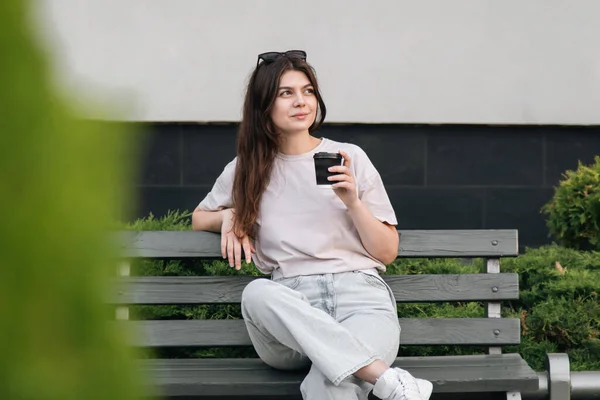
(271, 56)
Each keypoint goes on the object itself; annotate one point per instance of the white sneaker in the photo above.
(398, 384)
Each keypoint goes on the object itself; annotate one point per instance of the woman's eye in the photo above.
(309, 91)
(285, 93)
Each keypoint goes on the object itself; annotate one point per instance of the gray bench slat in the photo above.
(413, 243)
(459, 243)
(415, 331)
(449, 374)
(228, 289)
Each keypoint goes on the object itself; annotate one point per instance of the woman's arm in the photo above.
(207, 220)
(222, 222)
(379, 239)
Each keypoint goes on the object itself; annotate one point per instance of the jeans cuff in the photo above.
(346, 374)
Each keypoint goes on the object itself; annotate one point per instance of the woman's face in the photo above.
(295, 107)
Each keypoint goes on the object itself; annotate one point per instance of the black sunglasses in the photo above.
(271, 56)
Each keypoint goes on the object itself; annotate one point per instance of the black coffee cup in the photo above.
(322, 163)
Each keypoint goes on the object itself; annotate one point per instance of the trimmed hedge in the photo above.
(574, 210)
(558, 308)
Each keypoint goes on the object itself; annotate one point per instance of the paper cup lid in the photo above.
(327, 155)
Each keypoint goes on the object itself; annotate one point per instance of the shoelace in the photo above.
(411, 390)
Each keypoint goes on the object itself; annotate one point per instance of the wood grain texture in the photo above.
(228, 289)
(221, 377)
(415, 331)
(413, 243)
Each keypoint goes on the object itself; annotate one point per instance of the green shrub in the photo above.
(173, 221)
(574, 211)
(558, 305)
(61, 179)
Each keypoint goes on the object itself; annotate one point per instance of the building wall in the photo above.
(384, 61)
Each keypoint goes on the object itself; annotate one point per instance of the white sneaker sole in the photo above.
(425, 388)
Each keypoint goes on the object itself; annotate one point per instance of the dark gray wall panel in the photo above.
(192, 196)
(564, 147)
(437, 208)
(158, 200)
(437, 176)
(161, 155)
(519, 207)
(206, 151)
(398, 155)
(471, 155)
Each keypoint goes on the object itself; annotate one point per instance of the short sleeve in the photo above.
(371, 190)
(219, 196)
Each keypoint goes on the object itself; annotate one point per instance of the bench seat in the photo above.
(252, 377)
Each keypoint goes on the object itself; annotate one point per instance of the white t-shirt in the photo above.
(304, 229)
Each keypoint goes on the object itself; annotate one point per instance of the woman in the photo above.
(325, 304)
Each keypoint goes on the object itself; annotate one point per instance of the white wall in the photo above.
(405, 61)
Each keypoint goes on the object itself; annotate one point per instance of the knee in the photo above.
(257, 293)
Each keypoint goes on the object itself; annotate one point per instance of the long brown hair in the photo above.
(258, 141)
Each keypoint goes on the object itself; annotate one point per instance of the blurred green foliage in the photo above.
(574, 210)
(558, 307)
(61, 180)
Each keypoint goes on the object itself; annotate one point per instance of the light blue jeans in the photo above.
(338, 322)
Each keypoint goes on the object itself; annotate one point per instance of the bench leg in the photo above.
(513, 395)
(559, 376)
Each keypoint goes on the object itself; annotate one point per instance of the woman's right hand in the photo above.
(231, 246)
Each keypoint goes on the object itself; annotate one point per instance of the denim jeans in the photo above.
(339, 323)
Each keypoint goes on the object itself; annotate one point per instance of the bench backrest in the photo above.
(491, 287)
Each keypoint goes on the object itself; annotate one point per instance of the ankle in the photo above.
(372, 372)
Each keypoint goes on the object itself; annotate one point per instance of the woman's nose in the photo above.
(299, 100)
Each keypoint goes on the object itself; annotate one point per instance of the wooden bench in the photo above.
(506, 375)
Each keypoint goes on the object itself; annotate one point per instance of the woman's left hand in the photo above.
(344, 184)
